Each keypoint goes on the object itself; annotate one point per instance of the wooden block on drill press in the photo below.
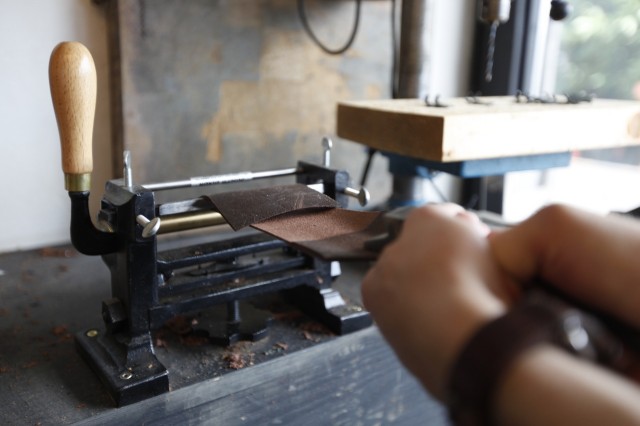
(466, 131)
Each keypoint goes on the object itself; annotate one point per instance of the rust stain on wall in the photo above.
(296, 93)
(239, 112)
(283, 56)
(217, 86)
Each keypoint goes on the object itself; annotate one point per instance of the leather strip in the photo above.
(246, 207)
(304, 218)
(335, 234)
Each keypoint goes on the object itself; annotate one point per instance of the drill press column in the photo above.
(413, 73)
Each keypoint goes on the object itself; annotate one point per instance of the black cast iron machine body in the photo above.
(150, 286)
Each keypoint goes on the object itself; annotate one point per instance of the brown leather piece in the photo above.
(304, 218)
(335, 234)
(246, 207)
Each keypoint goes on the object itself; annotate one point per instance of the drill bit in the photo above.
(493, 12)
(491, 47)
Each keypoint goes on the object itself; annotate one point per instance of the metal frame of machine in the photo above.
(150, 286)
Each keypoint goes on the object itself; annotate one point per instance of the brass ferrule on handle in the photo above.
(73, 83)
(74, 182)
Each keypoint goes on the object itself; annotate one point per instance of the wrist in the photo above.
(464, 320)
(540, 319)
(507, 404)
(485, 358)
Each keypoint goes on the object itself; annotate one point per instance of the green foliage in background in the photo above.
(601, 49)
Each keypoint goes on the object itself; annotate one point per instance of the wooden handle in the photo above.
(72, 78)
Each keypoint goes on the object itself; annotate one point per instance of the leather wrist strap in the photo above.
(480, 366)
(543, 316)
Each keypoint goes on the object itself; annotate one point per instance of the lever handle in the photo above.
(72, 78)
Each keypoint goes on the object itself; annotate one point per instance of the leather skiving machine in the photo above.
(149, 286)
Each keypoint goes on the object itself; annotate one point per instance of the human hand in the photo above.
(589, 257)
(433, 287)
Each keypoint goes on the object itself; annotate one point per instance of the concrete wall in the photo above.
(35, 207)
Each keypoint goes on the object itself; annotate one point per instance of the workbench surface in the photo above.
(495, 128)
(299, 374)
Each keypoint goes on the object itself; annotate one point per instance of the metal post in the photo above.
(415, 52)
(413, 76)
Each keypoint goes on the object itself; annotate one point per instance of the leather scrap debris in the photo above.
(246, 207)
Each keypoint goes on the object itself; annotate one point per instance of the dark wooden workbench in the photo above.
(297, 375)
